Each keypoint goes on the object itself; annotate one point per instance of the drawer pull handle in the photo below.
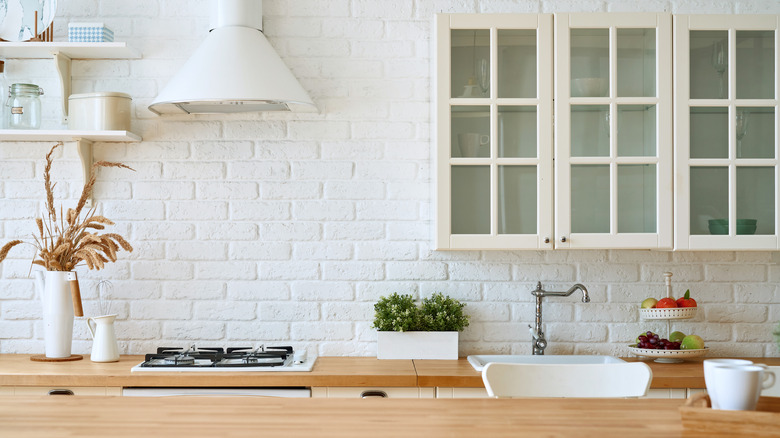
(60, 392)
(373, 394)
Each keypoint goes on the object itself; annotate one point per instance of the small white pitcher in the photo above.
(104, 346)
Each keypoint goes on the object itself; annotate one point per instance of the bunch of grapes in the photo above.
(652, 341)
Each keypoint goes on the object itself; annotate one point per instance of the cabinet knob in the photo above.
(546, 240)
(563, 238)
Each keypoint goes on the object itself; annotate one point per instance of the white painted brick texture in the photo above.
(280, 227)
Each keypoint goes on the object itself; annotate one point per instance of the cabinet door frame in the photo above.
(663, 237)
(731, 23)
(444, 24)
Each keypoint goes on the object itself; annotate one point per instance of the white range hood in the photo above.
(234, 70)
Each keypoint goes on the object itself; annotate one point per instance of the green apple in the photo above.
(692, 342)
(677, 337)
(649, 303)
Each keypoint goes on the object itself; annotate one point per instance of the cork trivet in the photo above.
(43, 358)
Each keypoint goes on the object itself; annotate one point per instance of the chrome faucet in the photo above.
(539, 343)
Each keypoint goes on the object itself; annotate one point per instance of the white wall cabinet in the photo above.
(613, 131)
(665, 131)
(494, 86)
(612, 136)
(726, 132)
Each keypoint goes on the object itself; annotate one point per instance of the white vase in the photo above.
(417, 345)
(54, 288)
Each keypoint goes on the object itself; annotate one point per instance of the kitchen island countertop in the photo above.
(194, 417)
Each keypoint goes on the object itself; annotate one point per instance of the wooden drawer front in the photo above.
(461, 393)
(77, 390)
(367, 392)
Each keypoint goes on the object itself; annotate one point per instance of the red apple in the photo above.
(686, 301)
(665, 303)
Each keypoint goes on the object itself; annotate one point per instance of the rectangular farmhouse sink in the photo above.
(479, 361)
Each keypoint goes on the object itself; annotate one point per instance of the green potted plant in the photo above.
(408, 331)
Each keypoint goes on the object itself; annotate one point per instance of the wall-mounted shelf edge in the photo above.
(43, 50)
(83, 140)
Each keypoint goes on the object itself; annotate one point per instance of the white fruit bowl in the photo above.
(667, 356)
(669, 313)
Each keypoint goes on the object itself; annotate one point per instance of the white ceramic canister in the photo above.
(101, 111)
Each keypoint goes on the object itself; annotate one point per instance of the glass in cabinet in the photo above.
(494, 128)
(613, 131)
(726, 132)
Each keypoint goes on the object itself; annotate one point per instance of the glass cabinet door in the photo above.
(494, 130)
(613, 133)
(726, 132)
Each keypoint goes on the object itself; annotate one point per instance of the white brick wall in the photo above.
(278, 227)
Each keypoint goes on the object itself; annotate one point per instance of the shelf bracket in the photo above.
(62, 63)
(85, 154)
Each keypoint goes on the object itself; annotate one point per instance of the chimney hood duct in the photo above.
(234, 70)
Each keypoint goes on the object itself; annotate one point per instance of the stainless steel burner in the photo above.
(179, 359)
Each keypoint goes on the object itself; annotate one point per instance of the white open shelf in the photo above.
(43, 50)
(66, 135)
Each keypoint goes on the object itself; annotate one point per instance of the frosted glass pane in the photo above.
(517, 132)
(469, 129)
(755, 200)
(709, 197)
(709, 132)
(755, 131)
(589, 130)
(516, 63)
(755, 64)
(590, 199)
(709, 64)
(517, 199)
(636, 62)
(470, 200)
(589, 62)
(637, 198)
(636, 130)
(469, 48)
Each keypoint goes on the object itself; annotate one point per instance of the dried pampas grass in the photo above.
(65, 241)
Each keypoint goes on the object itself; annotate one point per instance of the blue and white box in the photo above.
(89, 33)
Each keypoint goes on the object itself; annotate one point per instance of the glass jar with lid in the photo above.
(24, 106)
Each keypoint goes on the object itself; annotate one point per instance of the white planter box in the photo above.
(417, 345)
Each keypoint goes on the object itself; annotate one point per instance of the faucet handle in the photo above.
(533, 333)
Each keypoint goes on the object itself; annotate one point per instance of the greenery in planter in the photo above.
(438, 313)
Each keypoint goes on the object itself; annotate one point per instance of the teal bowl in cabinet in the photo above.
(721, 226)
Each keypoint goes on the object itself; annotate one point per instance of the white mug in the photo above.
(709, 365)
(470, 142)
(738, 387)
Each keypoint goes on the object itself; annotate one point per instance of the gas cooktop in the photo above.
(233, 359)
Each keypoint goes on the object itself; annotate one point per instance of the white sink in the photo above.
(480, 360)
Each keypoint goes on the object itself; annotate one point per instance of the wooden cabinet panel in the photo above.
(368, 392)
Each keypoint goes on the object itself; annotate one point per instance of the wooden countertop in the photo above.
(459, 373)
(194, 417)
(18, 370)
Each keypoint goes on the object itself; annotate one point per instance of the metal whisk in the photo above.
(104, 288)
